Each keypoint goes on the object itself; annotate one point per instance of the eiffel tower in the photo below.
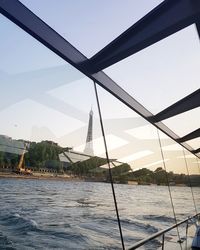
(89, 144)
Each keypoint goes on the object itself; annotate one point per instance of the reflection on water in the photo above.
(38, 214)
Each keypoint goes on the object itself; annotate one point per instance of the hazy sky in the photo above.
(43, 97)
(90, 25)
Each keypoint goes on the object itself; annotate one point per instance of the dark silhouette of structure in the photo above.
(89, 144)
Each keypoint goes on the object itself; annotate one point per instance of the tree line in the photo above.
(45, 154)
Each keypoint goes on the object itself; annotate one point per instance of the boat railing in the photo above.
(162, 233)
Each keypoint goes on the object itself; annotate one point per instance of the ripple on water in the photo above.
(19, 223)
(60, 215)
(5, 243)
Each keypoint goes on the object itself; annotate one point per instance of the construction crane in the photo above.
(20, 169)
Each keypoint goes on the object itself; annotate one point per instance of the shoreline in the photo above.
(39, 177)
(67, 178)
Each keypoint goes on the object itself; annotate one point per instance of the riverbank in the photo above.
(38, 176)
(65, 177)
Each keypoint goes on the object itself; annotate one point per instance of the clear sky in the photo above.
(43, 97)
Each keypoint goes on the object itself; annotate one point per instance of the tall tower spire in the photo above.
(89, 145)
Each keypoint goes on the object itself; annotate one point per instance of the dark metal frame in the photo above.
(181, 13)
(167, 18)
(189, 102)
(196, 151)
(190, 136)
(161, 233)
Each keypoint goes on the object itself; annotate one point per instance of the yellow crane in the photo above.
(20, 169)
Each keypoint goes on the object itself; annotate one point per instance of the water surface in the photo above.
(46, 214)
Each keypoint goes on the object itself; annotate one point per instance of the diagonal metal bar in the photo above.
(167, 18)
(196, 151)
(28, 21)
(187, 103)
(190, 136)
(198, 27)
(160, 233)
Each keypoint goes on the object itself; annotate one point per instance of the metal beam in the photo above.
(28, 21)
(187, 103)
(167, 18)
(196, 151)
(159, 233)
(190, 136)
(198, 27)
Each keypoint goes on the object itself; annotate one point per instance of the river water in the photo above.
(47, 214)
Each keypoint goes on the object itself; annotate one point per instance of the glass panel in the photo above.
(194, 143)
(50, 148)
(180, 182)
(184, 123)
(140, 181)
(90, 25)
(176, 163)
(194, 170)
(50, 131)
(159, 76)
